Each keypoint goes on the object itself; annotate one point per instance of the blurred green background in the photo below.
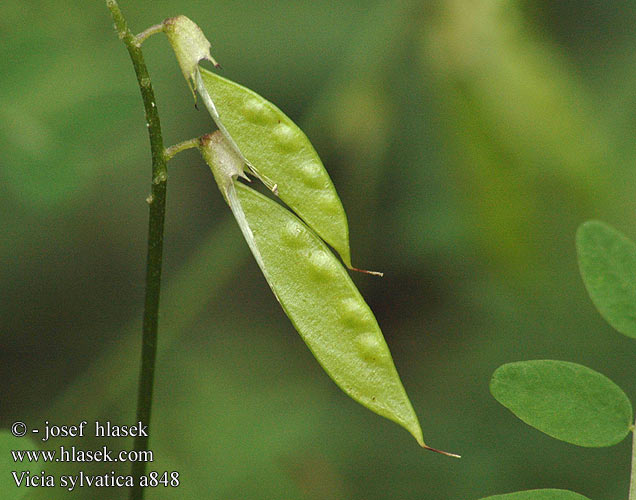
(467, 139)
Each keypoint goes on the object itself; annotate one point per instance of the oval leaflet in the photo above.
(565, 400)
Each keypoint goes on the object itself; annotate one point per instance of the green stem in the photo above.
(632, 479)
(157, 203)
(181, 146)
(153, 30)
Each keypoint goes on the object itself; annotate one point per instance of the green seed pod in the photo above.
(316, 293)
(190, 46)
(265, 139)
(326, 308)
(280, 154)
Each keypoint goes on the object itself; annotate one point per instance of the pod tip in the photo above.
(441, 452)
(365, 271)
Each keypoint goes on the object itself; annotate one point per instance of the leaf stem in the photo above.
(170, 152)
(157, 203)
(632, 478)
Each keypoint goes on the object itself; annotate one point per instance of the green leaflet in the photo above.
(280, 154)
(607, 261)
(316, 293)
(539, 495)
(565, 400)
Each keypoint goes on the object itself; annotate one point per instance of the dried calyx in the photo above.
(190, 46)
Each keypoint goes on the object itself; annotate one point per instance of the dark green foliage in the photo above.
(538, 495)
(565, 400)
(607, 260)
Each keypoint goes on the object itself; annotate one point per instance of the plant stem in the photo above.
(157, 203)
(147, 33)
(632, 478)
(181, 146)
